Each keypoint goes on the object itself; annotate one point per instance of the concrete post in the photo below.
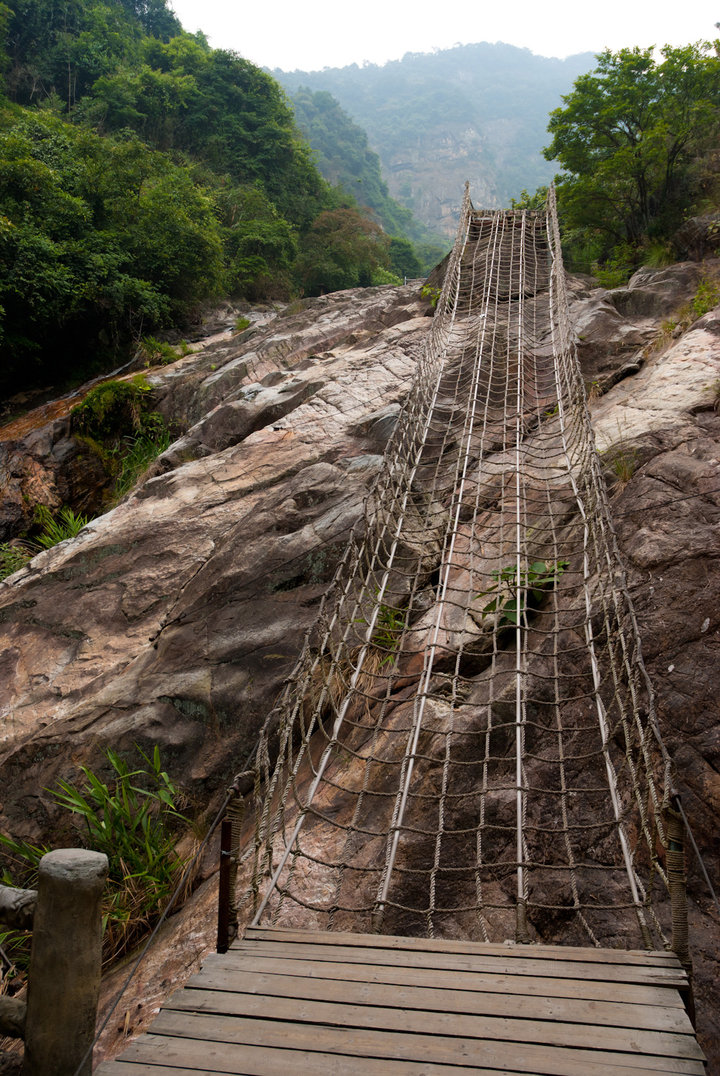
(65, 961)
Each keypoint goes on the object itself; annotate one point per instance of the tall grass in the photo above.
(15, 555)
(135, 456)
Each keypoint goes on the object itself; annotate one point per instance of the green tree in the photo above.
(98, 239)
(628, 136)
(260, 245)
(404, 262)
(341, 250)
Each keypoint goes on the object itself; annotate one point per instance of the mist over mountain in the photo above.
(474, 112)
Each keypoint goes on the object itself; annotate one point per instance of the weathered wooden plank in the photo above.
(362, 1042)
(611, 1013)
(468, 962)
(644, 957)
(451, 1025)
(222, 974)
(143, 1068)
(266, 1061)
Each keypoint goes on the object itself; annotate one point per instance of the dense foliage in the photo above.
(635, 137)
(99, 238)
(141, 174)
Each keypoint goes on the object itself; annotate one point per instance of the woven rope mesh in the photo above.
(468, 746)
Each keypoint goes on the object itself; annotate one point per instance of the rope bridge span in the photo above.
(466, 758)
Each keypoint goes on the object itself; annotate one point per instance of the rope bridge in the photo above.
(466, 752)
(467, 746)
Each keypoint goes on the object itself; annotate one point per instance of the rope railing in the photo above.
(468, 743)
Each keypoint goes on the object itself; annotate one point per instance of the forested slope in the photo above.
(142, 173)
(344, 157)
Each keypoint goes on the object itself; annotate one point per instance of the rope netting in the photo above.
(468, 746)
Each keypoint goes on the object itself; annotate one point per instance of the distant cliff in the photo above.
(476, 112)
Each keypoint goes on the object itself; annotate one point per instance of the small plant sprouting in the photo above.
(623, 463)
(16, 554)
(57, 529)
(515, 593)
(389, 626)
(429, 292)
(242, 323)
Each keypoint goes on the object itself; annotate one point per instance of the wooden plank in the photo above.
(265, 1061)
(550, 1032)
(653, 1016)
(219, 973)
(643, 957)
(467, 962)
(366, 1043)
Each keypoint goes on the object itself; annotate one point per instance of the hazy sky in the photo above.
(311, 34)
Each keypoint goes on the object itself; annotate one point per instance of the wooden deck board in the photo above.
(365, 1005)
(218, 975)
(648, 1017)
(473, 962)
(549, 1030)
(450, 945)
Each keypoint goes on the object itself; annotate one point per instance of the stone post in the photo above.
(65, 961)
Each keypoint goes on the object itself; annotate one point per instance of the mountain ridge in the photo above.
(474, 112)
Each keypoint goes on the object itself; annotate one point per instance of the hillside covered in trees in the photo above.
(344, 157)
(143, 173)
(474, 112)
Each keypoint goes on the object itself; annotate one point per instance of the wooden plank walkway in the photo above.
(290, 1001)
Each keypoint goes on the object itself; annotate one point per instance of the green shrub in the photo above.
(158, 352)
(116, 422)
(432, 294)
(616, 270)
(706, 297)
(112, 410)
(242, 323)
(384, 276)
(134, 819)
(516, 592)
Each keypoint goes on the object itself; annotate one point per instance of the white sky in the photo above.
(312, 34)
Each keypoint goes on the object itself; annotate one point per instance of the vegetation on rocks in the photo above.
(54, 529)
(117, 422)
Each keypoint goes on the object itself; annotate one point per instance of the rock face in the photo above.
(175, 618)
